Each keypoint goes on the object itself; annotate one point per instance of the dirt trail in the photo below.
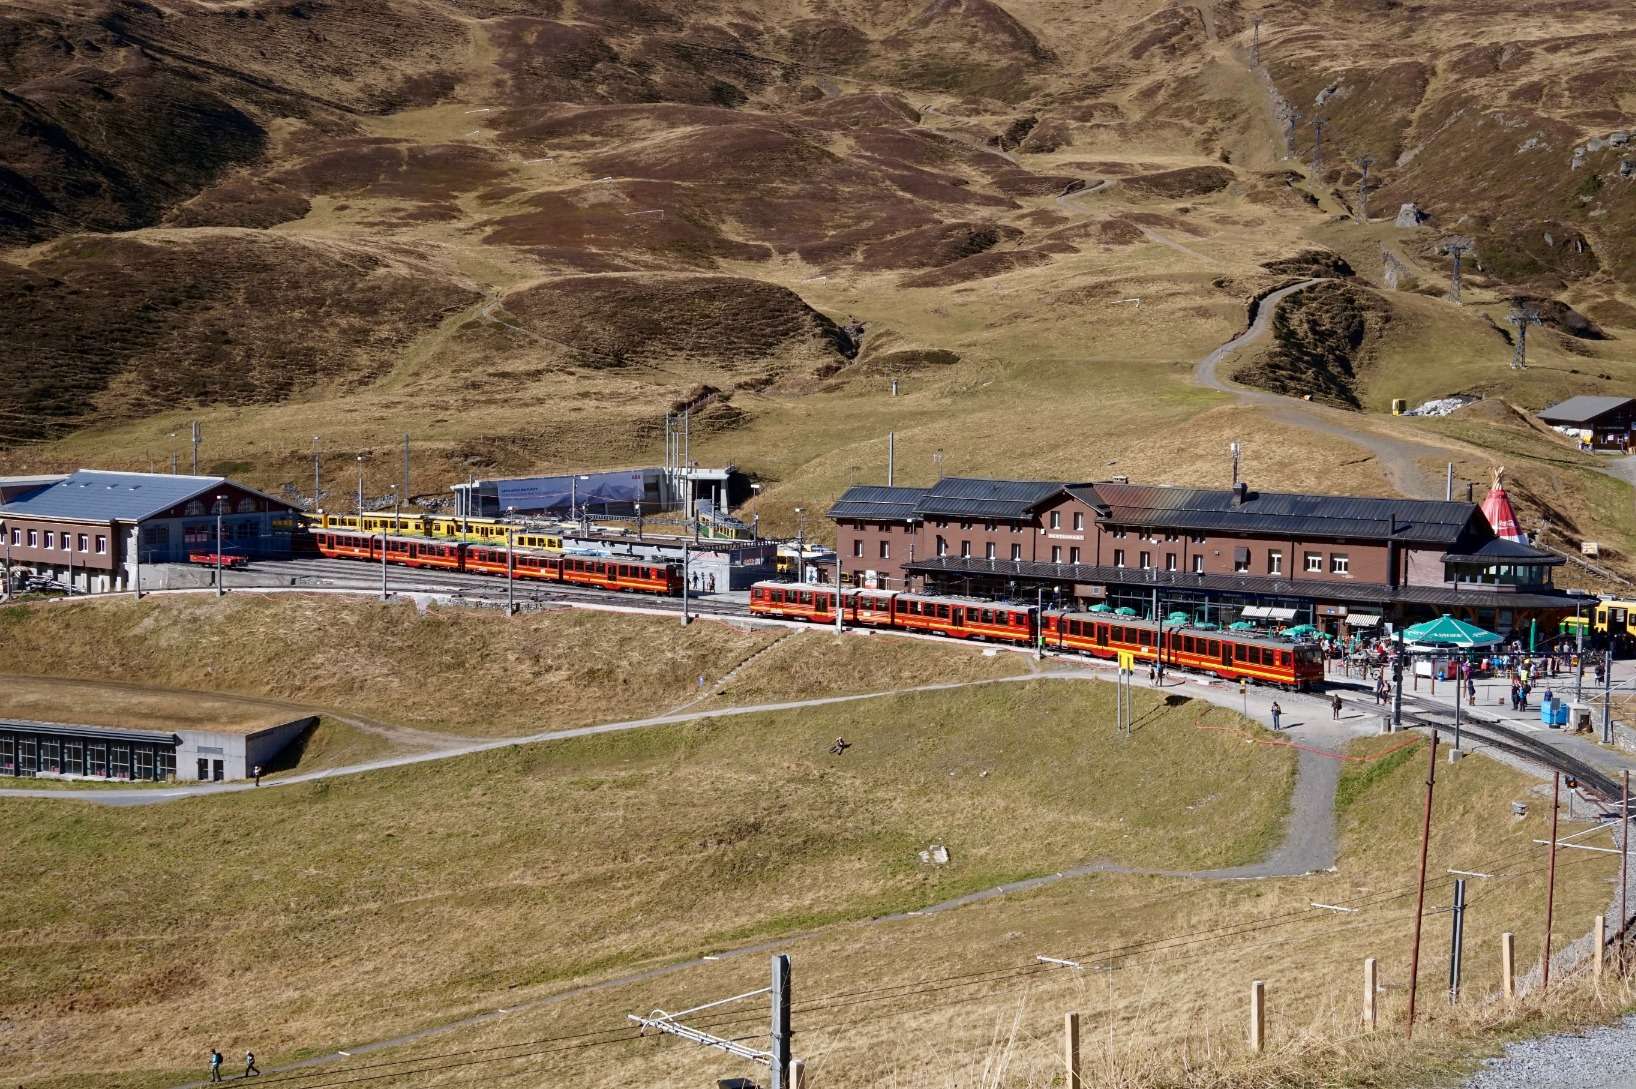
(1399, 459)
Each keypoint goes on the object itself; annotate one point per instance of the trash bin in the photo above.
(1547, 712)
(1560, 717)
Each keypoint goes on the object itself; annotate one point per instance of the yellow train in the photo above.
(416, 524)
(1614, 617)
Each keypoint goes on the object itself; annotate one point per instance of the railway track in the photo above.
(1519, 743)
(481, 589)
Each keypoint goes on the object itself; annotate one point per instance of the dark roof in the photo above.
(975, 497)
(1287, 513)
(873, 502)
(97, 496)
(1582, 409)
(75, 729)
(1500, 550)
(1249, 585)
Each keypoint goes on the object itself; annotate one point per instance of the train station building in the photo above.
(92, 530)
(81, 751)
(1344, 564)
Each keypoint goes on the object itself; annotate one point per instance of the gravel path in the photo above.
(1399, 458)
(1600, 1058)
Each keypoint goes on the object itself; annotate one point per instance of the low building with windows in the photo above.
(1341, 563)
(76, 751)
(92, 529)
(1599, 423)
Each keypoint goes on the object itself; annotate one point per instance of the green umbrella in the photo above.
(1125, 610)
(1206, 625)
(1178, 618)
(1101, 607)
(1242, 625)
(1300, 630)
(1446, 631)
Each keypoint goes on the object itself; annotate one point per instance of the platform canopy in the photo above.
(1446, 631)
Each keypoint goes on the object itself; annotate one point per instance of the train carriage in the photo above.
(963, 619)
(794, 601)
(1230, 655)
(488, 560)
(618, 573)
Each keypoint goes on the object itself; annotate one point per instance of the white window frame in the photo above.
(1340, 563)
(1275, 562)
(1315, 563)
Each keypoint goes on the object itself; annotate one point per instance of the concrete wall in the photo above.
(238, 752)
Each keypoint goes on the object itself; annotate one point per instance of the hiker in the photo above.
(215, 1065)
(1335, 707)
(1471, 688)
(840, 746)
(1277, 714)
(256, 771)
(250, 1067)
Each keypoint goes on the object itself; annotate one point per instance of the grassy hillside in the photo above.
(457, 671)
(369, 904)
(538, 229)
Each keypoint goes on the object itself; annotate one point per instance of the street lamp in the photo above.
(360, 483)
(221, 501)
(173, 453)
(511, 569)
(396, 500)
(638, 521)
(573, 495)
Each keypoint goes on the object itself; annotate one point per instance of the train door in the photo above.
(1226, 654)
(957, 617)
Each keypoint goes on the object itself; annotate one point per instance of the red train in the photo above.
(603, 572)
(1232, 655)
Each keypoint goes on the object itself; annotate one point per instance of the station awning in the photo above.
(1361, 620)
(1254, 610)
(1275, 612)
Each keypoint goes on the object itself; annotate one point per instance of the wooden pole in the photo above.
(1624, 862)
(1070, 1050)
(1420, 896)
(1601, 944)
(1258, 1016)
(1508, 963)
(1369, 990)
(1550, 883)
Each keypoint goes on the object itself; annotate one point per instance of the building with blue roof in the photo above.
(92, 530)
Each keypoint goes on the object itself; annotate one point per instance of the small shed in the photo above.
(1599, 423)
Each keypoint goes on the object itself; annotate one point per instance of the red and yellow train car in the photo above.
(607, 573)
(1232, 655)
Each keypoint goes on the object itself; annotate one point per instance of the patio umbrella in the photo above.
(1178, 618)
(1207, 625)
(1242, 625)
(1446, 631)
(1101, 607)
(1125, 610)
(1301, 629)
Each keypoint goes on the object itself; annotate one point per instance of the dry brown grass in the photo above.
(936, 1001)
(101, 703)
(310, 916)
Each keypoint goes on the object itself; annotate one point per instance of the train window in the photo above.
(1215, 648)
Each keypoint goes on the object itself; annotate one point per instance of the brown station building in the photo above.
(1342, 563)
(92, 530)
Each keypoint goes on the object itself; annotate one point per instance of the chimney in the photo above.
(1241, 492)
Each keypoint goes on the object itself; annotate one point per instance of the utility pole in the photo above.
(891, 457)
(221, 501)
(511, 575)
(317, 474)
(1457, 933)
(1521, 316)
(1448, 483)
(360, 483)
(1397, 681)
(1318, 124)
(1236, 448)
(173, 454)
(1364, 164)
(686, 557)
(781, 1022)
(1420, 896)
(1607, 697)
(1624, 860)
(840, 602)
(406, 466)
(197, 438)
(1550, 882)
(1456, 248)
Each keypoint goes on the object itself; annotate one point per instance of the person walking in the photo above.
(1277, 714)
(1335, 706)
(250, 1067)
(215, 1065)
(256, 771)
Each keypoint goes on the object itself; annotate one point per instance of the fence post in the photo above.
(1369, 992)
(1070, 1050)
(1601, 944)
(1508, 963)
(1258, 1016)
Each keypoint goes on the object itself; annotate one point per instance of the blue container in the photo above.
(1547, 712)
(1560, 715)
